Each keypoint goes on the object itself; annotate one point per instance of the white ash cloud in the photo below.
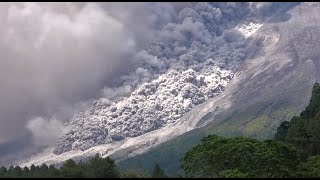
(44, 132)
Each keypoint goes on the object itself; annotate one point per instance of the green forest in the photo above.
(293, 152)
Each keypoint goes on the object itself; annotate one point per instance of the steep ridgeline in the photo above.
(190, 61)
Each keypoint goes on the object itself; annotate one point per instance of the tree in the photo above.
(32, 170)
(26, 172)
(310, 168)
(223, 157)
(96, 167)
(71, 169)
(10, 171)
(298, 131)
(101, 168)
(43, 170)
(53, 172)
(17, 171)
(158, 172)
(3, 171)
(303, 131)
(282, 131)
(235, 173)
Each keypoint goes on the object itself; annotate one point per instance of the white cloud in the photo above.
(44, 132)
(54, 55)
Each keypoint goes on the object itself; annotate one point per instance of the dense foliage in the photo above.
(310, 168)
(304, 131)
(240, 157)
(96, 167)
(294, 151)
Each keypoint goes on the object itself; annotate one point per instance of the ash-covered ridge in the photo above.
(190, 61)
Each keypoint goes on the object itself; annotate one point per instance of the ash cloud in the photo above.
(45, 131)
(55, 56)
(199, 32)
(111, 93)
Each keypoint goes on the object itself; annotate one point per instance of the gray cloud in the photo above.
(56, 55)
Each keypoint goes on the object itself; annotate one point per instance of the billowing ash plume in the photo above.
(189, 60)
(199, 32)
(57, 57)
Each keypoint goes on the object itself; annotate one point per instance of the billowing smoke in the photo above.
(200, 35)
(55, 56)
(44, 132)
(116, 91)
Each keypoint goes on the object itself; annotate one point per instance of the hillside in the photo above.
(273, 86)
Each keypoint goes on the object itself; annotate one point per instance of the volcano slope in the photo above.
(273, 85)
(189, 62)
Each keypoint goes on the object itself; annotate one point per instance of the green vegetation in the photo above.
(310, 168)
(259, 121)
(293, 152)
(172, 151)
(96, 168)
(169, 153)
(241, 157)
(304, 131)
